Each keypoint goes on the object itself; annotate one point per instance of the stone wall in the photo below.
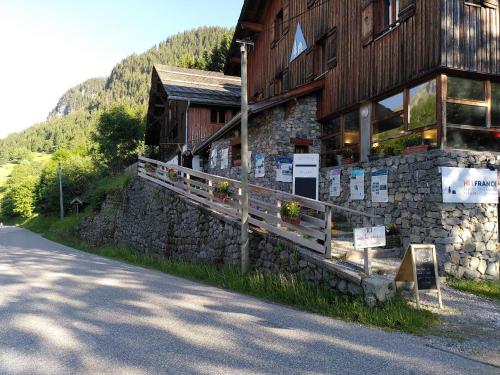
(466, 235)
(269, 134)
(158, 222)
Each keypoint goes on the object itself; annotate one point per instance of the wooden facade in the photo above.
(187, 106)
(371, 58)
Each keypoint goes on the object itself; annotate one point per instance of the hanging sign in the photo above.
(284, 169)
(357, 184)
(306, 175)
(365, 238)
(260, 169)
(469, 185)
(379, 186)
(224, 158)
(335, 188)
(299, 43)
(420, 267)
(213, 158)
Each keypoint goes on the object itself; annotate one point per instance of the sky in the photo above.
(47, 47)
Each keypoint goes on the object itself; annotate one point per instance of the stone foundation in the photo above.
(155, 221)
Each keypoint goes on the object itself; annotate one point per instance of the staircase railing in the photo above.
(313, 232)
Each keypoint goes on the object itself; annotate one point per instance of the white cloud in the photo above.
(38, 63)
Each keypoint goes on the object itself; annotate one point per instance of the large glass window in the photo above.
(473, 139)
(495, 104)
(465, 114)
(422, 105)
(462, 88)
(388, 117)
(341, 139)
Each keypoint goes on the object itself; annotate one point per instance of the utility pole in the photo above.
(245, 256)
(61, 201)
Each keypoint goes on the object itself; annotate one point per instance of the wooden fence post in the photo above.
(328, 228)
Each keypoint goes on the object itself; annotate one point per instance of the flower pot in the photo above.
(220, 196)
(347, 160)
(295, 220)
(173, 178)
(415, 149)
(392, 241)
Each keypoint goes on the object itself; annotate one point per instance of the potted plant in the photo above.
(172, 174)
(221, 191)
(392, 237)
(290, 212)
(414, 144)
(347, 156)
(149, 167)
(376, 152)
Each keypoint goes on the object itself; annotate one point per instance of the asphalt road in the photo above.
(67, 312)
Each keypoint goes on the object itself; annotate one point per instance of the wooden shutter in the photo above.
(406, 9)
(310, 64)
(367, 8)
(286, 16)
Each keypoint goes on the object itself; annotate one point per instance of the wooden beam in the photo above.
(252, 26)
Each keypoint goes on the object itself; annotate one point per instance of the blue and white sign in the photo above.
(299, 44)
(469, 185)
(379, 186)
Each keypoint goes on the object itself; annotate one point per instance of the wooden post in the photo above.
(210, 191)
(245, 256)
(366, 261)
(61, 200)
(188, 185)
(328, 228)
(278, 204)
(415, 279)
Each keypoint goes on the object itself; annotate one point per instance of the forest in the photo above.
(97, 127)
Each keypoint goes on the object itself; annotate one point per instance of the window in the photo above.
(320, 58)
(217, 116)
(495, 104)
(422, 105)
(389, 117)
(341, 139)
(386, 14)
(482, 3)
(301, 149)
(332, 50)
(236, 152)
(278, 26)
(473, 114)
(466, 103)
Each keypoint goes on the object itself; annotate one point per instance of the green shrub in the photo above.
(222, 187)
(290, 209)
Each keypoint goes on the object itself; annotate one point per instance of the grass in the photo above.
(486, 288)
(395, 315)
(106, 185)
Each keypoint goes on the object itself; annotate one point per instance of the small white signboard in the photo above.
(369, 237)
(357, 184)
(306, 175)
(335, 188)
(469, 185)
(224, 158)
(379, 186)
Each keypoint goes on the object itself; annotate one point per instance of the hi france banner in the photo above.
(335, 188)
(357, 184)
(379, 186)
(469, 185)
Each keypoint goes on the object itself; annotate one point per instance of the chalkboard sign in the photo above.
(419, 266)
(425, 268)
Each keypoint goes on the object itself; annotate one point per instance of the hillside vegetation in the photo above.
(96, 128)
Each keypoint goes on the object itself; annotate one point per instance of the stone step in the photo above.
(386, 266)
(346, 249)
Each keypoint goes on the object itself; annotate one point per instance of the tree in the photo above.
(119, 136)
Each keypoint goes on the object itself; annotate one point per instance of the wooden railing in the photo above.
(313, 232)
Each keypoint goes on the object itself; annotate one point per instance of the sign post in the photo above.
(420, 267)
(366, 238)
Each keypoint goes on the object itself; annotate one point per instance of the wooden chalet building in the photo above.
(366, 84)
(186, 106)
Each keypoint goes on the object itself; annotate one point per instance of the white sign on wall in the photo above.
(357, 184)
(379, 186)
(213, 158)
(469, 185)
(335, 188)
(306, 175)
(224, 158)
(365, 238)
(299, 43)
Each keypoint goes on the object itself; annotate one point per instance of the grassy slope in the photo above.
(489, 289)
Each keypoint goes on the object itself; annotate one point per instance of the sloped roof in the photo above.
(200, 86)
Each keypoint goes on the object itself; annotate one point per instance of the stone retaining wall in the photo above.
(155, 221)
(466, 235)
